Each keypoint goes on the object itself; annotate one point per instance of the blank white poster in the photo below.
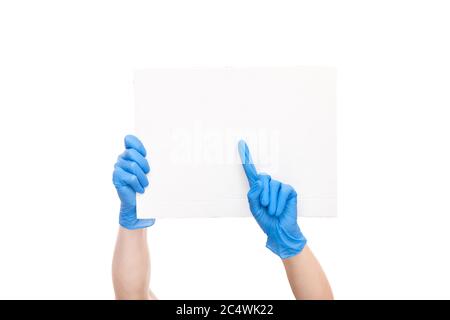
(190, 121)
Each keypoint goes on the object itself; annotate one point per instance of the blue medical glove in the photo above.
(274, 206)
(129, 177)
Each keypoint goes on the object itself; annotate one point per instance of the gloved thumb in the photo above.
(253, 196)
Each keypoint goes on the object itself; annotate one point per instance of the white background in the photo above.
(66, 102)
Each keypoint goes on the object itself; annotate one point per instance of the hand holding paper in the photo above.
(129, 177)
(274, 206)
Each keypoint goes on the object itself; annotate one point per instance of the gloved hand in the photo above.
(274, 206)
(129, 177)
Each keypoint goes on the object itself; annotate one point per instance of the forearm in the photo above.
(131, 265)
(306, 277)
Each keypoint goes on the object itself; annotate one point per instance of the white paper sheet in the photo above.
(190, 121)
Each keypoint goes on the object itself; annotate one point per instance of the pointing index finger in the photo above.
(247, 162)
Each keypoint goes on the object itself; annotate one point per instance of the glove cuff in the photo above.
(129, 221)
(286, 245)
(137, 224)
